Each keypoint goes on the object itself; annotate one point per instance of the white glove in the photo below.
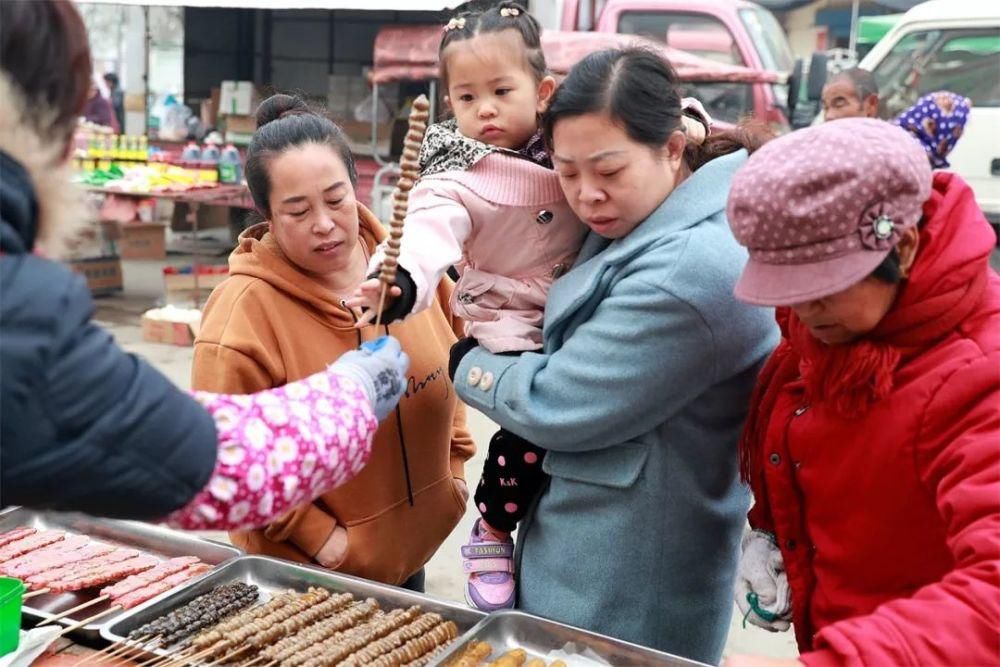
(380, 368)
(761, 582)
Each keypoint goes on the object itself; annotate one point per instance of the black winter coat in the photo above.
(83, 425)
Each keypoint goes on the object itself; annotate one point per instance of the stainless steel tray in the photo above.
(272, 575)
(154, 540)
(508, 630)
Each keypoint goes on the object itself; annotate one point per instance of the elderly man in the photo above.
(852, 93)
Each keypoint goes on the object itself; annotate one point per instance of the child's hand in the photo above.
(367, 296)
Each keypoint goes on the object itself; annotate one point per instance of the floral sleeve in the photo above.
(279, 448)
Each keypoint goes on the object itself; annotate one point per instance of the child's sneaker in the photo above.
(488, 560)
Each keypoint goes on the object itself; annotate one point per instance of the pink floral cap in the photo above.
(820, 208)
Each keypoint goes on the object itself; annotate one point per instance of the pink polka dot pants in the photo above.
(512, 477)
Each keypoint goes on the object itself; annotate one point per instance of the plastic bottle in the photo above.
(191, 152)
(210, 153)
(230, 166)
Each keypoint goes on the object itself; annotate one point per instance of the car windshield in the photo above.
(769, 39)
(966, 62)
(728, 102)
(696, 33)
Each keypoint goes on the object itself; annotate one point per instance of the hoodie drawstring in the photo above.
(399, 421)
(402, 443)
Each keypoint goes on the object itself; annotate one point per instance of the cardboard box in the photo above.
(143, 240)
(238, 98)
(103, 274)
(241, 124)
(180, 289)
(162, 326)
(209, 217)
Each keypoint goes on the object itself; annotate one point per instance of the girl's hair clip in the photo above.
(455, 24)
(511, 12)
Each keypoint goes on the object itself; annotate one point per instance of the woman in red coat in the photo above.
(873, 442)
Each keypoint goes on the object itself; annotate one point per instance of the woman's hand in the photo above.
(759, 661)
(367, 296)
(334, 550)
(379, 366)
(762, 591)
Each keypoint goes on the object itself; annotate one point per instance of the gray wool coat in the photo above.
(639, 395)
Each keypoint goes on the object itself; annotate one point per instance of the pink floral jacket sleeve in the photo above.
(279, 448)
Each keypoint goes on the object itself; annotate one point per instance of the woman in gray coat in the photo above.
(641, 388)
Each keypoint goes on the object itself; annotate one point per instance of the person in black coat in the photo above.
(83, 425)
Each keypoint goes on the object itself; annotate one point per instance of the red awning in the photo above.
(410, 53)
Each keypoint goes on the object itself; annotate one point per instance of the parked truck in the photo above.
(950, 45)
(730, 32)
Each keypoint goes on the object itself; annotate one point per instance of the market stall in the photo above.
(140, 188)
(141, 594)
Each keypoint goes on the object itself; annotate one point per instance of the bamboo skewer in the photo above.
(132, 650)
(256, 660)
(88, 621)
(28, 596)
(77, 608)
(162, 659)
(197, 656)
(409, 167)
(229, 656)
(104, 654)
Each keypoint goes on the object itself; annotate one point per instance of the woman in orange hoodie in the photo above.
(280, 317)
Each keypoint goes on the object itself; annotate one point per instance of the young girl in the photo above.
(489, 203)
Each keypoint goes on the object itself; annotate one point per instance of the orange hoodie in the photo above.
(269, 324)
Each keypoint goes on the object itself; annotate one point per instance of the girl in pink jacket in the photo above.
(489, 203)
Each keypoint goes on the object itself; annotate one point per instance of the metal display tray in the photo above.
(275, 575)
(508, 630)
(154, 540)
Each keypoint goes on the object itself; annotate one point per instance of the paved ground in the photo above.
(120, 315)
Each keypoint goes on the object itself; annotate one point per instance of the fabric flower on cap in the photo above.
(820, 208)
(878, 230)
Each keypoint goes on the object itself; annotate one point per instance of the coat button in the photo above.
(558, 270)
(465, 297)
(774, 459)
(544, 217)
(487, 382)
(475, 373)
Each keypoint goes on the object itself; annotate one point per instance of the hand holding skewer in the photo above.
(409, 165)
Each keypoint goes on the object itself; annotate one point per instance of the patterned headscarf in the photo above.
(937, 121)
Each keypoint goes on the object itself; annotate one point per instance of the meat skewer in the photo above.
(112, 573)
(29, 568)
(161, 571)
(425, 642)
(101, 575)
(78, 568)
(348, 618)
(219, 608)
(409, 167)
(218, 633)
(30, 543)
(15, 535)
(169, 573)
(138, 596)
(68, 544)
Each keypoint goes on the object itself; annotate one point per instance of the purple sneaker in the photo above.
(489, 562)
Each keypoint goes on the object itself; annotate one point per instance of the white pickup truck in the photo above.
(950, 45)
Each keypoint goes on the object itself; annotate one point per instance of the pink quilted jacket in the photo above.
(506, 226)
